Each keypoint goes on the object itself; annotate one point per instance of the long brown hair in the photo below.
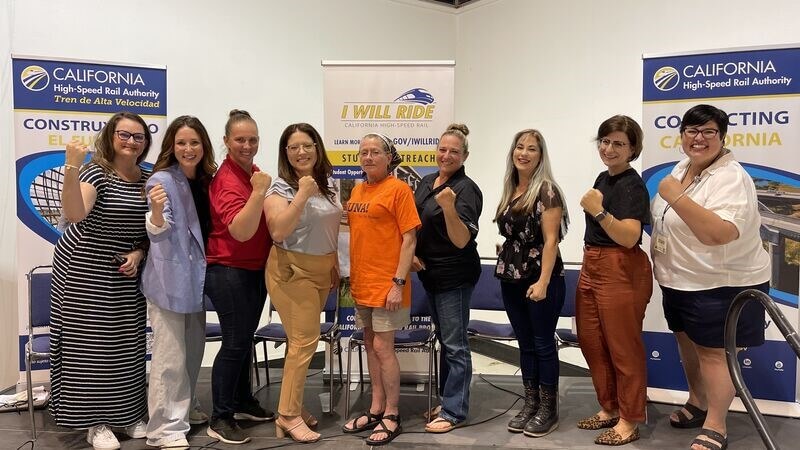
(104, 144)
(323, 168)
(166, 159)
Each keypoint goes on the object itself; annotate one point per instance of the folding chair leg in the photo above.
(360, 368)
(431, 353)
(255, 366)
(330, 374)
(347, 383)
(436, 367)
(266, 362)
(341, 378)
(30, 392)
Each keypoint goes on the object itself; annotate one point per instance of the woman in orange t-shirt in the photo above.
(383, 234)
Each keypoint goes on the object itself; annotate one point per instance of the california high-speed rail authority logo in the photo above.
(666, 78)
(417, 95)
(35, 78)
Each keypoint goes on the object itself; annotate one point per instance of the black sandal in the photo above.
(390, 434)
(372, 420)
(697, 420)
(711, 445)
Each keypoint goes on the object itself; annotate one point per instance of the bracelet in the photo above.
(678, 198)
(70, 166)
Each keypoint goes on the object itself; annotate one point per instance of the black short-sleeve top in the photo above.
(447, 266)
(625, 197)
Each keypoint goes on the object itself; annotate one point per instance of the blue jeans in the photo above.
(534, 324)
(238, 296)
(450, 314)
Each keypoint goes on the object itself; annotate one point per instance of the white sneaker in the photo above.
(197, 417)
(101, 437)
(137, 430)
(177, 444)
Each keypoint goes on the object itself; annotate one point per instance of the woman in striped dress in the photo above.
(98, 314)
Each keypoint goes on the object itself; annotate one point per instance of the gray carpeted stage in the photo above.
(491, 408)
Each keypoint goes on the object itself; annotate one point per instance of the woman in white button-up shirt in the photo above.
(706, 248)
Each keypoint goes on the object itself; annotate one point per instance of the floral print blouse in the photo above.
(520, 258)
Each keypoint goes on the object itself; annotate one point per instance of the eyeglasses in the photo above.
(373, 153)
(616, 145)
(708, 133)
(125, 135)
(296, 147)
(194, 144)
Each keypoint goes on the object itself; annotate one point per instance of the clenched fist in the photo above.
(76, 153)
(158, 198)
(670, 189)
(592, 202)
(446, 198)
(260, 182)
(307, 186)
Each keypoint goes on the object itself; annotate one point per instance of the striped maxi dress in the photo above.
(97, 331)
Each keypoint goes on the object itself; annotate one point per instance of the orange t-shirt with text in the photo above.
(379, 214)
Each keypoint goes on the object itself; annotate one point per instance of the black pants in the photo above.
(238, 296)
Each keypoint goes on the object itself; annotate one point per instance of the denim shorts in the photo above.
(701, 315)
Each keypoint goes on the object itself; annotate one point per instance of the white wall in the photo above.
(561, 67)
(263, 56)
(565, 66)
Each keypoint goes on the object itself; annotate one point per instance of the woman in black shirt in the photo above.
(615, 285)
(449, 204)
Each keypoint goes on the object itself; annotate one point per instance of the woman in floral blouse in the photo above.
(533, 218)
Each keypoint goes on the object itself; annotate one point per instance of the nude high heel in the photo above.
(299, 432)
(309, 418)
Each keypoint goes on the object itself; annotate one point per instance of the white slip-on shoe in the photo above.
(177, 444)
(101, 437)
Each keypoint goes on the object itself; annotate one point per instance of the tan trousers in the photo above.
(613, 291)
(298, 286)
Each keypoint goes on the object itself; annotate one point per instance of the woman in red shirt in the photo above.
(237, 251)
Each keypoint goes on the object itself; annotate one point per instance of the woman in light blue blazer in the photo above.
(178, 224)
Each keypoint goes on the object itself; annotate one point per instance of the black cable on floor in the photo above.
(29, 441)
(481, 422)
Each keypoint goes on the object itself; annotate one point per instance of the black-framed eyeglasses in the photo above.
(708, 133)
(305, 147)
(616, 145)
(125, 135)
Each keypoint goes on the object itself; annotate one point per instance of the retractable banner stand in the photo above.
(411, 102)
(759, 88)
(57, 100)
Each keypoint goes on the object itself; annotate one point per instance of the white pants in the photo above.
(177, 352)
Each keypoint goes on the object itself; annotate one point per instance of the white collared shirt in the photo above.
(727, 190)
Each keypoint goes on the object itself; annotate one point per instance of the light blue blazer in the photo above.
(175, 272)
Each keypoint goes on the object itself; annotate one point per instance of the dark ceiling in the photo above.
(453, 3)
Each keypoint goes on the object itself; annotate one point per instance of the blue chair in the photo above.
(329, 333)
(37, 349)
(487, 297)
(419, 334)
(564, 336)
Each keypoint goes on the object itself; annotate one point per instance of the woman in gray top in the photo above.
(303, 213)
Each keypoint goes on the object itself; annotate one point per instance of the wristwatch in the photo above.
(399, 281)
(600, 216)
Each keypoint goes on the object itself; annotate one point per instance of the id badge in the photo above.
(660, 243)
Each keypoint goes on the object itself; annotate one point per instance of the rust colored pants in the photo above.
(613, 291)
